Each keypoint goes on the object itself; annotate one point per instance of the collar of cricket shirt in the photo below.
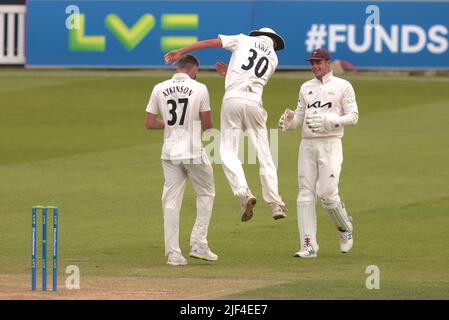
(327, 77)
(181, 76)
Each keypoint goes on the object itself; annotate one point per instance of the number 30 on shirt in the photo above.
(261, 65)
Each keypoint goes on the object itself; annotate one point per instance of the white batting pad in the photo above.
(339, 216)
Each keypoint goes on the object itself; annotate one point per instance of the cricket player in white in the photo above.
(252, 63)
(326, 104)
(184, 106)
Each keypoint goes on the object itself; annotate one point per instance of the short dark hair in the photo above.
(187, 62)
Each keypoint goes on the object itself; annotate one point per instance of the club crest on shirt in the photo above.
(350, 101)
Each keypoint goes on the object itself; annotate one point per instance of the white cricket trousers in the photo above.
(243, 111)
(319, 167)
(202, 179)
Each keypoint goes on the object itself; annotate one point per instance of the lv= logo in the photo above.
(128, 36)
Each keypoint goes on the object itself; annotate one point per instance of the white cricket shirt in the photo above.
(179, 101)
(332, 95)
(252, 63)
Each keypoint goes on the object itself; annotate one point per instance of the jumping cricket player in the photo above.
(252, 63)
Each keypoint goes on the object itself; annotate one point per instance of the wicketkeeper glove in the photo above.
(286, 119)
(320, 123)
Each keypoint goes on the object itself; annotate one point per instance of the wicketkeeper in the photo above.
(326, 104)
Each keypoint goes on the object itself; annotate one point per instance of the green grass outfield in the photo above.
(76, 139)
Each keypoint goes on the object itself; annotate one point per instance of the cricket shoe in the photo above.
(307, 250)
(278, 211)
(176, 259)
(203, 254)
(247, 201)
(346, 241)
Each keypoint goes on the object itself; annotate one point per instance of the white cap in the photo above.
(279, 43)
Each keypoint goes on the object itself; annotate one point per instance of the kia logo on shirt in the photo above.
(317, 104)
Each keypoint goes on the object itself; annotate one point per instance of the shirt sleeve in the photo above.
(204, 100)
(350, 111)
(300, 108)
(230, 42)
(349, 103)
(152, 106)
(300, 112)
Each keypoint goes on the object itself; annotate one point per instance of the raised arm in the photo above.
(175, 55)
